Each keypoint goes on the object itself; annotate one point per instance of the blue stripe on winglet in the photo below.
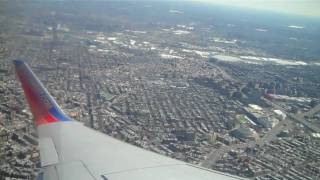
(57, 114)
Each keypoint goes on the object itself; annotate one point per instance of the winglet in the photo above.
(43, 107)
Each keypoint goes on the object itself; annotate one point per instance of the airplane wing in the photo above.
(69, 150)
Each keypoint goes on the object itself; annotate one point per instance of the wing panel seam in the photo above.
(150, 167)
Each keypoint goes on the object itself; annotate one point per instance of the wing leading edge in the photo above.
(69, 150)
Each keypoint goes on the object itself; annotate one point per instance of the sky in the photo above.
(295, 7)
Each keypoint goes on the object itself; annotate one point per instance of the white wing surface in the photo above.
(69, 150)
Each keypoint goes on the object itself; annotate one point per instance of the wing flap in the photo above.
(73, 171)
(49, 173)
(114, 159)
(48, 153)
(67, 171)
(184, 171)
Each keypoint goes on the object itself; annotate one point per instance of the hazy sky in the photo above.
(298, 7)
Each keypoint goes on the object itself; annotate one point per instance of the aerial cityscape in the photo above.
(213, 87)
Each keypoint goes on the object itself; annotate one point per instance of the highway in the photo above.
(269, 136)
(217, 153)
(297, 117)
(272, 134)
(311, 112)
